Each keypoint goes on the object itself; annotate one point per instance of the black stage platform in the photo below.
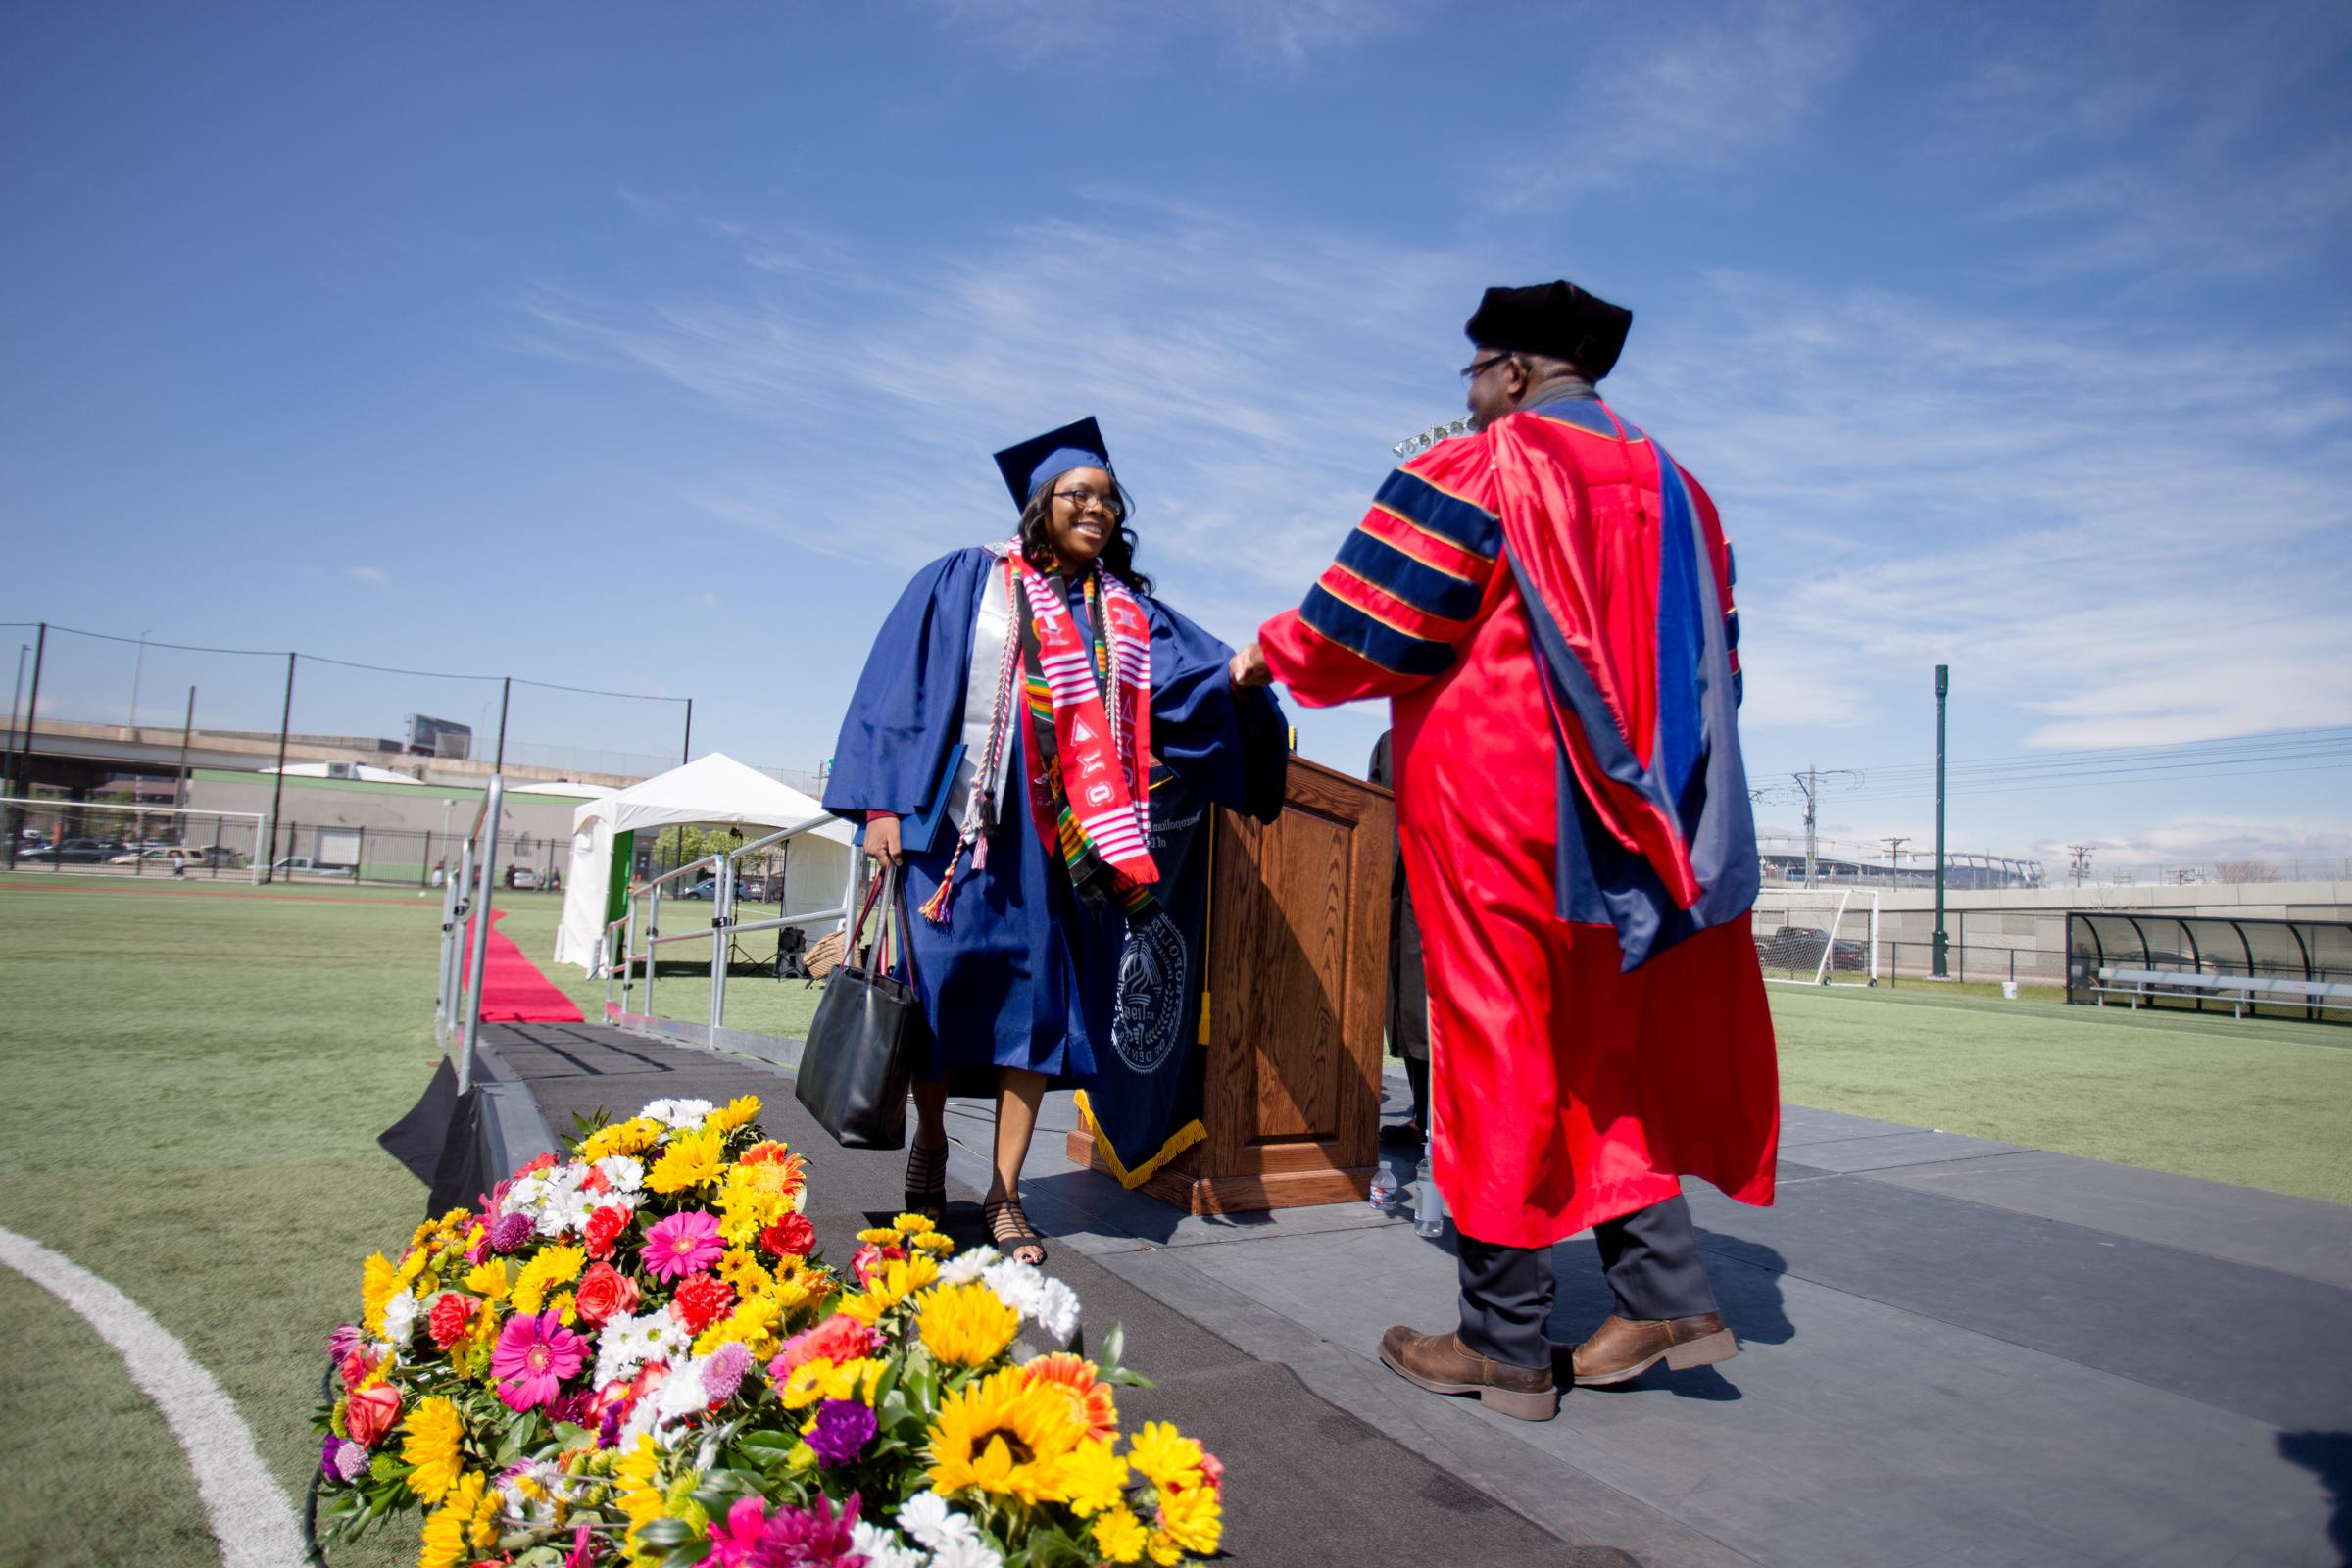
(1310, 1483)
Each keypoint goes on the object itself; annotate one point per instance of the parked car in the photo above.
(701, 888)
(1798, 947)
(521, 876)
(301, 865)
(163, 855)
(71, 852)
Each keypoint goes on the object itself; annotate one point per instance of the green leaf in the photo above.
(693, 1551)
(666, 1533)
(1114, 1345)
(767, 1446)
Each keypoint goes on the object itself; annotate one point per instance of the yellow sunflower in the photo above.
(489, 1280)
(632, 1137)
(554, 1265)
(633, 1488)
(889, 1285)
(1004, 1435)
(733, 1115)
(693, 1160)
(464, 1527)
(967, 1325)
(752, 1324)
(821, 1379)
(379, 1284)
(434, 1429)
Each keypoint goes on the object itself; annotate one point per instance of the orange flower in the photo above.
(1089, 1396)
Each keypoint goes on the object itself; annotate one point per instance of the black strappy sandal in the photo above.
(927, 1181)
(1010, 1229)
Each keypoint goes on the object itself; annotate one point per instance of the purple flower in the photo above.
(810, 1538)
(511, 1232)
(346, 1339)
(722, 1373)
(577, 1408)
(842, 1429)
(343, 1460)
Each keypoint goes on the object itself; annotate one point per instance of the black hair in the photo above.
(1118, 553)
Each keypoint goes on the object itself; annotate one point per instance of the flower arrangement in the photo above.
(636, 1357)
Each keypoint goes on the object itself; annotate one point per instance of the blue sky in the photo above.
(651, 348)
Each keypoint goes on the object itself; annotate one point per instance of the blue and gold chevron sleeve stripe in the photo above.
(1385, 645)
(1422, 504)
(1415, 582)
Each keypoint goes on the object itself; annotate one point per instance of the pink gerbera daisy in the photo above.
(533, 1355)
(682, 1243)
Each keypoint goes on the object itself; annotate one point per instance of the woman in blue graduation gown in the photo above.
(970, 716)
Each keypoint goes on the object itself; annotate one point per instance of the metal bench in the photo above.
(2241, 991)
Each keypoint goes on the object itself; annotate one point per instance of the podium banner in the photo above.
(1143, 1103)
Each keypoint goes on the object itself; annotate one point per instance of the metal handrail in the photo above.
(458, 1011)
(724, 928)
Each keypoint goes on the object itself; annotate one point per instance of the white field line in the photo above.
(250, 1515)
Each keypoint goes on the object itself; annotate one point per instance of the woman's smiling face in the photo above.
(1085, 515)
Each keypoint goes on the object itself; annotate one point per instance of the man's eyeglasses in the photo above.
(1478, 367)
(1086, 499)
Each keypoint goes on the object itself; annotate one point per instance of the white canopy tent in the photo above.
(711, 791)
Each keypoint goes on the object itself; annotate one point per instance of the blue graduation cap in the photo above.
(1044, 458)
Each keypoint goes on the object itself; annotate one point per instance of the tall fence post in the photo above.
(278, 796)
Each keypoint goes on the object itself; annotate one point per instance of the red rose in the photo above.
(449, 1317)
(789, 1237)
(370, 1412)
(596, 1182)
(602, 1292)
(702, 1300)
(355, 1367)
(838, 1338)
(604, 1226)
(543, 1163)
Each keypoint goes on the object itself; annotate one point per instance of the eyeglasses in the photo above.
(1478, 367)
(1084, 500)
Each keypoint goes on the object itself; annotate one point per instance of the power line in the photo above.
(349, 664)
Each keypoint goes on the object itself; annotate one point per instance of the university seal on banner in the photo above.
(1149, 1018)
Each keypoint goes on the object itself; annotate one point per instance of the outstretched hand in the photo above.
(1250, 669)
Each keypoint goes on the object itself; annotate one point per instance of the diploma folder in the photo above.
(922, 833)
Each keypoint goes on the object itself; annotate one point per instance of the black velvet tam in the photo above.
(1556, 318)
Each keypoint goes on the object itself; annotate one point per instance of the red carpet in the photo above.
(513, 990)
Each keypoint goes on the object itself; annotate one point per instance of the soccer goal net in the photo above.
(97, 838)
(1821, 937)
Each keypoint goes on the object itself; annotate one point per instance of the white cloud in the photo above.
(1712, 95)
(1285, 33)
(2136, 542)
(367, 573)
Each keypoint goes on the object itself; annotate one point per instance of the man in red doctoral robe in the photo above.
(1548, 604)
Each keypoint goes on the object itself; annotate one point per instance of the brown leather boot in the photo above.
(1626, 1347)
(1442, 1364)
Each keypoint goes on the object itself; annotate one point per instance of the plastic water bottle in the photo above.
(1382, 1196)
(1429, 1205)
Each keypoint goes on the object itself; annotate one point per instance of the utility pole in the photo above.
(2082, 855)
(1895, 856)
(277, 795)
(1938, 952)
(686, 746)
(505, 691)
(187, 728)
(1811, 783)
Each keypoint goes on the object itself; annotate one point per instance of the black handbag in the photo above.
(867, 1038)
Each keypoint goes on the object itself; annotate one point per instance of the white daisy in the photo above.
(626, 1173)
(882, 1549)
(965, 1267)
(400, 1316)
(679, 1114)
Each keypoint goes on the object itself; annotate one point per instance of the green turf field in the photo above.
(198, 1075)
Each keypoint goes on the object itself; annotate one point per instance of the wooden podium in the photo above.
(1297, 1002)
